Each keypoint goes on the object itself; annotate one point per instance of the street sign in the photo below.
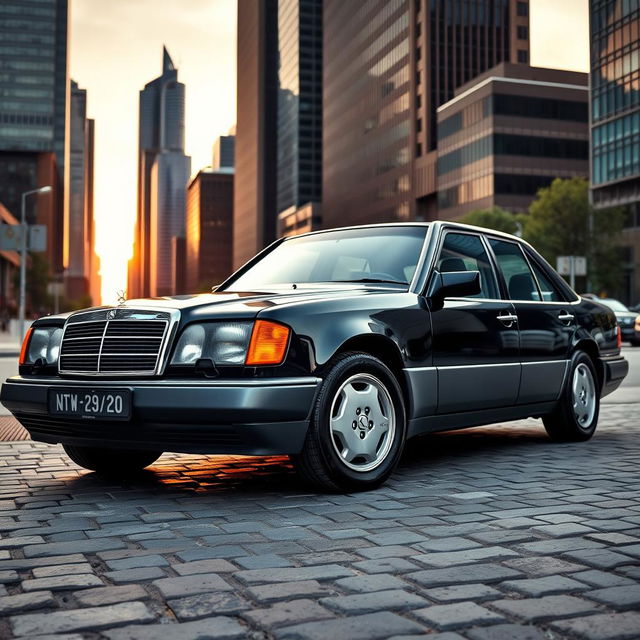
(579, 265)
(11, 234)
(38, 237)
(10, 237)
(571, 266)
(563, 265)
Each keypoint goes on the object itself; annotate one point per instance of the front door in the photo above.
(475, 339)
(545, 320)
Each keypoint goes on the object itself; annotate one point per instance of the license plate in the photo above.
(113, 404)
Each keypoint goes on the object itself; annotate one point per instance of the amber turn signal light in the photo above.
(25, 346)
(268, 344)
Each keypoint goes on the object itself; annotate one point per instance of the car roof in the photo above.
(435, 223)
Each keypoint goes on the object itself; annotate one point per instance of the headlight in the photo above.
(225, 343)
(41, 343)
(233, 343)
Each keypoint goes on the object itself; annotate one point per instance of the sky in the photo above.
(116, 48)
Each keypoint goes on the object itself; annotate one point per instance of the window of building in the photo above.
(523, 56)
(523, 32)
(523, 8)
(418, 149)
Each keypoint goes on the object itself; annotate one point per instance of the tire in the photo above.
(338, 456)
(576, 417)
(635, 343)
(112, 462)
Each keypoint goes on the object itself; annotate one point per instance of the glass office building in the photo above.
(34, 98)
(387, 67)
(33, 76)
(615, 122)
(299, 144)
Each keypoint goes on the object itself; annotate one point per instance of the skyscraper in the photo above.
(81, 257)
(34, 92)
(223, 156)
(254, 206)
(615, 122)
(387, 68)
(209, 229)
(163, 172)
(299, 119)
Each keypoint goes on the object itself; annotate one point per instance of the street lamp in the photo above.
(23, 254)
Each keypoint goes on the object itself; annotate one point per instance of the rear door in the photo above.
(545, 320)
(475, 339)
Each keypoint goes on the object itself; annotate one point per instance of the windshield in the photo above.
(375, 254)
(614, 305)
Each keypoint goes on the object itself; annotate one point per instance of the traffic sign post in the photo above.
(571, 266)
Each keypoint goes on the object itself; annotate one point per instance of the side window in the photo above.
(520, 281)
(465, 252)
(549, 290)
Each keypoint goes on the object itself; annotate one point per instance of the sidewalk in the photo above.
(9, 345)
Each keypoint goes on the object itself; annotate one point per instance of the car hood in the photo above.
(249, 303)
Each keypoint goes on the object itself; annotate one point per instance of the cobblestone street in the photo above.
(491, 533)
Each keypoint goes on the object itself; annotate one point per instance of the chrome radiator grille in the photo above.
(114, 345)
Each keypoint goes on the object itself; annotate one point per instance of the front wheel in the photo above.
(358, 426)
(112, 462)
(576, 417)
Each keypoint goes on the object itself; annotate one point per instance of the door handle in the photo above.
(565, 317)
(507, 318)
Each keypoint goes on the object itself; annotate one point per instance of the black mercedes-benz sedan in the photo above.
(333, 347)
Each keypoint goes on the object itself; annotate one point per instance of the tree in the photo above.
(38, 298)
(494, 218)
(562, 222)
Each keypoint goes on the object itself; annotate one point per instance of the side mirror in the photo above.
(454, 284)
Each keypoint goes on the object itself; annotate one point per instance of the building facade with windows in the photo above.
(387, 67)
(299, 119)
(34, 98)
(209, 230)
(163, 173)
(254, 200)
(223, 156)
(615, 122)
(508, 133)
(82, 261)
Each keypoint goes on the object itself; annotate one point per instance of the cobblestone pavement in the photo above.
(488, 534)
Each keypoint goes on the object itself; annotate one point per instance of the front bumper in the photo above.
(615, 370)
(251, 417)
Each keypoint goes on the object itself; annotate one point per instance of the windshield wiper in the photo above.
(375, 280)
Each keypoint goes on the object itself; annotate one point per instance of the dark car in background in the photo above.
(333, 347)
(629, 321)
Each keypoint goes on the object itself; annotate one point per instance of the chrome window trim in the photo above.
(162, 356)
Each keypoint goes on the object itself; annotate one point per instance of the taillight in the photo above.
(618, 336)
(25, 346)
(268, 344)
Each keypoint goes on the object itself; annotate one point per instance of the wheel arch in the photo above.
(591, 349)
(387, 351)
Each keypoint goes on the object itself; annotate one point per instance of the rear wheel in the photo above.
(358, 426)
(113, 462)
(576, 417)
